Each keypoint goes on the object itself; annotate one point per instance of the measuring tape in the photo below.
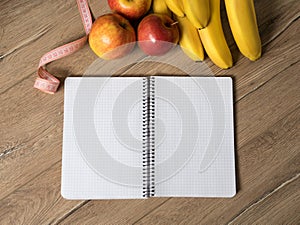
(45, 81)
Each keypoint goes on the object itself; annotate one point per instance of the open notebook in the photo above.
(139, 137)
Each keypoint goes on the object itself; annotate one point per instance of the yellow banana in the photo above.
(243, 24)
(176, 7)
(160, 6)
(213, 38)
(197, 11)
(189, 40)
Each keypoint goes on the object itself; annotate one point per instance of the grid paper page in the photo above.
(102, 140)
(194, 137)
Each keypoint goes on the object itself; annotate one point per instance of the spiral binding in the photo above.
(148, 137)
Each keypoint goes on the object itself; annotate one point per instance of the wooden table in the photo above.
(267, 116)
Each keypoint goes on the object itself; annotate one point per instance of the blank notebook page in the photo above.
(194, 139)
(102, 142)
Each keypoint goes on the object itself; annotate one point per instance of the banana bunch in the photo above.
(200, 26)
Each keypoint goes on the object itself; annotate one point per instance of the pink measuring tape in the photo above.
(48, 83)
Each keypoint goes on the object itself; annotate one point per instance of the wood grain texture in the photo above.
(267, 123)
(27, 205)
(281, 206)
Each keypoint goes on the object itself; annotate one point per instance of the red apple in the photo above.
(112, 36)
(157, 34)
(131, 9)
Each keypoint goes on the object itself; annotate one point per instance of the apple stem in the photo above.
(172, 24)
